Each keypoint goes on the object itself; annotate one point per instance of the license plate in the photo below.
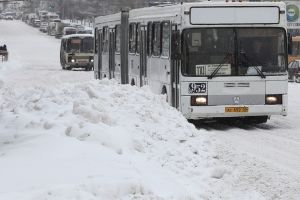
(82, 61)
(236, 109)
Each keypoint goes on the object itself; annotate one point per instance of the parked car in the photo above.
(37, 23)
(43, 27)
(9, 17)
(294, 71)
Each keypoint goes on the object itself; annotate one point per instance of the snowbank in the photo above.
(99, 140)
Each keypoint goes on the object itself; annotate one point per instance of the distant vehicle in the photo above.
(9, 17)
(42, 13)
(31, 18)
(52, 26)
(77, 51)
(59, 29)
(78, 26)
(69, 30)
(43, 27)
(85, 31)
(3, 53)
(294, 71)
(51, 16)
(37, 23)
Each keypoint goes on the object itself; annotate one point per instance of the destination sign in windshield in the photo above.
(234, 15)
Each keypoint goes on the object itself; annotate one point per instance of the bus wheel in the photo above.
(132, 82)
(164, 92)
(63, 66)
(68, 68)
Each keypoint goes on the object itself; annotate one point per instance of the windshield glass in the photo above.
(80, 45)
(88, 45)
(234, 52)
(70, 31)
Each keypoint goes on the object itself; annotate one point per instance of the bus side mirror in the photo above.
(176, 45)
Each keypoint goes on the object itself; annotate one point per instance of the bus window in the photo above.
(118, 39)
(165, 46)
(132, 38)
(80, 45)
(96, 40)
(262, 47)
(149, 38)
(105, 39)
(100, 44)
(156, 39)
(138, 36)
(87, 45)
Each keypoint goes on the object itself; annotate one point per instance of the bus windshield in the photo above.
(80, 45)
(234, 52)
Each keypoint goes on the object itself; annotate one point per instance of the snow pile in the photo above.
(99, 140)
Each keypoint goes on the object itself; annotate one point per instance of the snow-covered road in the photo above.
(64, 135)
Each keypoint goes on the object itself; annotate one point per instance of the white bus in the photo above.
(211, 59)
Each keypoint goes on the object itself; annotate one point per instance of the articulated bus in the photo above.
(210, 59)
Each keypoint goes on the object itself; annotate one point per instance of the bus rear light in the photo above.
(273, 99)
(198, 100)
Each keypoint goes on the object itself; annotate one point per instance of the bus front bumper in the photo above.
(81, 65)
(202, 112)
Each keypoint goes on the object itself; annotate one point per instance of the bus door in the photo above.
(111, 53)
(98, 66)
(105, 53)
(175, 65)
(143, 55)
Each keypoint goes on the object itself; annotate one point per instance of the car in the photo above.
(294, 71)
(37, 23)
(43, 27)
(9, 17)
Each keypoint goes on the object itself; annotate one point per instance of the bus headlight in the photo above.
(92, 60)
(198, 100)
(273, 99)
(73, 60)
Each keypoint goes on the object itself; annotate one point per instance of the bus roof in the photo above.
(77, 35)
(175, 11)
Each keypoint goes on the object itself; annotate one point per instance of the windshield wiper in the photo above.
(213, 74)
(255, 64)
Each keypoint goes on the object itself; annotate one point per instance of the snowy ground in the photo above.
(64, 135)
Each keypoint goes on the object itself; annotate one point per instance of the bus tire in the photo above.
(165, 92)
(132, 82)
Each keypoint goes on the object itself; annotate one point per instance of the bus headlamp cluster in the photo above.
(73, 60)
(273, 99)
(198, 100)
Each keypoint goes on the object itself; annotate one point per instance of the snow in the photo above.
(64, 135)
